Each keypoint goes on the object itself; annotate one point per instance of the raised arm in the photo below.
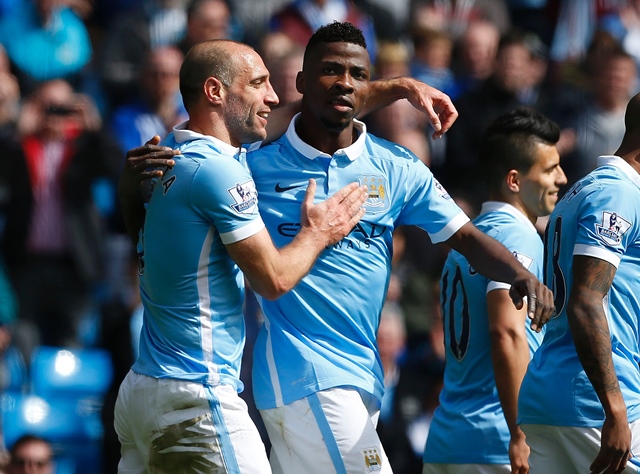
(510, 357)
(493, 260)
(587, 320)
(272, 271)
(435, 104)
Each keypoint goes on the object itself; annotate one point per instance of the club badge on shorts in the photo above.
(372, 460)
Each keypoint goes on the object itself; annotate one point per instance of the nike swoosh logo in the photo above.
(281, 189)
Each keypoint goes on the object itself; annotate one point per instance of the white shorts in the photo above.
(570, 449)
(331, 431)
(174, 426)
(435, 468)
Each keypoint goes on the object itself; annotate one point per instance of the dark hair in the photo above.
(509, 143)
(336, 32)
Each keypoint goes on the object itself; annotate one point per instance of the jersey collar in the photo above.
(490, 206)
(618, 162)
(182, 134)
(352, 152)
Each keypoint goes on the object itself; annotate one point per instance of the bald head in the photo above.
(216, 58)
(631, 140)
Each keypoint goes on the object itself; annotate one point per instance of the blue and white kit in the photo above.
(322, 334)
(469, 402)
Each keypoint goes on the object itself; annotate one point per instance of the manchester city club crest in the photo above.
(612, 228)
(378, 190)
(372, 461)
(245, 197)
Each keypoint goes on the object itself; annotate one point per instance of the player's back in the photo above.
(191, 290)
(469, 403)
(556, 390)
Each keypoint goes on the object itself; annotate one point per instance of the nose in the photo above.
(562, 178)
(344, 82)
(271, 98)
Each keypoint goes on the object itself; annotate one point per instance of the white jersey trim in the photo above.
(618, 162)
(451, 228)
(597, 252)
(498, 285)
(249, 230)
(352, 152)
(204, 300)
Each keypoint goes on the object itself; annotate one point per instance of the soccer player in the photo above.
(178, 409)
(579, 402)
(488, 344)
(317, 374)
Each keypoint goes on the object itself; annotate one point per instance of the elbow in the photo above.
(272, 289)
(507, 337)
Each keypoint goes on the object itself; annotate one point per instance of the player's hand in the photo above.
(145, 162)
(615, 446)
(435, 104)
(519, 454)
(333, 219)
(540, 306)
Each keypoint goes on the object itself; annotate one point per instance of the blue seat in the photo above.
(17, 374)
(70, 372)
(73, 428)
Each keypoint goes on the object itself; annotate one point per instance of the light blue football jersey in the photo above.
(470, 410)
(322, 334)
(192, 292)
(598, 217)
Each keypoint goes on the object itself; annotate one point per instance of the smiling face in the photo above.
(539, 187)
(248, 100)
(334, 83)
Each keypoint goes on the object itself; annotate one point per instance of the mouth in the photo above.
(342, 104)
(264, 115)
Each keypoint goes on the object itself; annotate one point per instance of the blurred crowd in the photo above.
(82, 81)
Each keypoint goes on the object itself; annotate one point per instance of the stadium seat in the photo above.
(16, 371)
(70, 372)
(73, 428)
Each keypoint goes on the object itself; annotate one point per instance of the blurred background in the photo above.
(82, 81)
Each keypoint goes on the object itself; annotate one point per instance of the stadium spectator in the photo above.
(131, 37)
(301, 18)
(475, 54)
(53, 243)
(45, 40)
(487, 340)
(31, 455)
(431, 61)
(158, 107)
(207, 20)
(582, 415)
(510, 85)
(9, 98)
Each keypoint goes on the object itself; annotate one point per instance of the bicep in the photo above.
(253, 254)
(503, 315)
(592, 278)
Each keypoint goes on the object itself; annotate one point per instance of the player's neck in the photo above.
(326, 139)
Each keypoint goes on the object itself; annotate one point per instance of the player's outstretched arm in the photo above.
(493, 260)
(510, 357)
(271, 271)
(141, 164)
(435, 104)
(592, 279)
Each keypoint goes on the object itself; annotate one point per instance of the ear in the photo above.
(213, 90)
(300, 82)
(513, 181)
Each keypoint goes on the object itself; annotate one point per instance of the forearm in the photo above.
(590, 331)
(510, 357)
(486, 255)
(383, 93)
(133, 211)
